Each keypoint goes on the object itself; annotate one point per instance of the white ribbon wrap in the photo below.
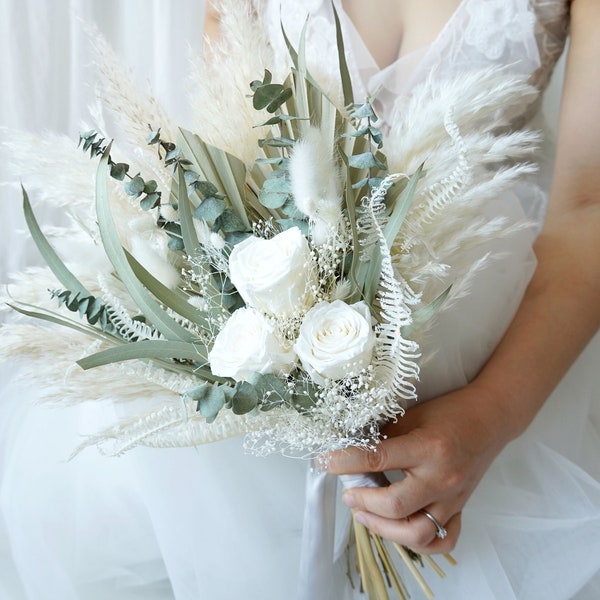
(318, 574)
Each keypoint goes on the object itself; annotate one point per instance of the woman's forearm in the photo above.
(561, 308)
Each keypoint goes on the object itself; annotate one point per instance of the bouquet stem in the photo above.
(378, 572)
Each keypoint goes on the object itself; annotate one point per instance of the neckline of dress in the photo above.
(424, 49)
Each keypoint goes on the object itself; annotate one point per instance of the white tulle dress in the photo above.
(213, 523)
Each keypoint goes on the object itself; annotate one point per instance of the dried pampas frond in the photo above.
(219, 84)
(131, 108)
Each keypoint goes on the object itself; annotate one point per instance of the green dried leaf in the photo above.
(150, 201)
(210, 209)
(424, 314)
(365, 160)
(118, 171)
(52, 259)
(245, 398)
(210, 399)
(147, 349)
(135, 186)
(229, 222)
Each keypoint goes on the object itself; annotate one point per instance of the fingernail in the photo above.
(349, 500)
(360, 517)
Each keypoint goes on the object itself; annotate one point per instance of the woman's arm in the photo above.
(445, 446)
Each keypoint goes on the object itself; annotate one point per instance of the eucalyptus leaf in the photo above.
(365, 160)
(265, 94)
(270, 389)
(150, 201)
(245, 398)
(286, 224)
(210, 209)
(118, 171)
(229, 222)
(153, 137)
(210, 399)
(135, 187)
(175, 243)
(194, 249)
(276, 142)
(364, 111)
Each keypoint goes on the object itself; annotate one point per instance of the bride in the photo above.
(500, 462)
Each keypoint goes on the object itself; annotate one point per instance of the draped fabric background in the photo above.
(47, 80)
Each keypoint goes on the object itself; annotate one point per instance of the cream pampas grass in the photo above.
(220, 80)
(458, 128)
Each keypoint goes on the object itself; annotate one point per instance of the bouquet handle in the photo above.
(374, 561)
(317, 578)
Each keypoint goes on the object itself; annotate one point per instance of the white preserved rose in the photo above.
(248, 344)
(276, 276)
(336, 340)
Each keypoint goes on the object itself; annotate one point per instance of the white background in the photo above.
(47, 80)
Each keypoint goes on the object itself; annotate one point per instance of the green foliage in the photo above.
(136, 187)
(88, 306)
(372, 163)
(276, 190)
(262, 392)
(268, 95)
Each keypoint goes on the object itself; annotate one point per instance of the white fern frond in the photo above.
(172, 425)
(395, 362)
(128, 328)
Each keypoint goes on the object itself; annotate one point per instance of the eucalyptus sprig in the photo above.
(87, 305)
(136, 186)
(364, 118)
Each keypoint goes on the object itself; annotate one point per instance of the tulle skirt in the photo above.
(215, 523)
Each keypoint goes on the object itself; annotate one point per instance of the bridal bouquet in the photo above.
(278, 287)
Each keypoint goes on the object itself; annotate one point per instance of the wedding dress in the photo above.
(214, 523)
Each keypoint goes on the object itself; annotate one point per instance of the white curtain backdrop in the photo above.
(47, 80)
(47, 83)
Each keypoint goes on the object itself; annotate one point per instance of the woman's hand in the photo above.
(443, 447)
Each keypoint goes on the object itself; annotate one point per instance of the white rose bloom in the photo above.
(335, 340)
(275, 276)
(247, 344)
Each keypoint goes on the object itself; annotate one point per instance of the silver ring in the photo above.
(440, 532)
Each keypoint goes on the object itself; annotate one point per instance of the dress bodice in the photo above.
(528, 36)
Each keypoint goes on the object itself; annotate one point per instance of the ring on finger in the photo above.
(440, 531)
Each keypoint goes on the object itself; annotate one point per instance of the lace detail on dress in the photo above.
(493, 25)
